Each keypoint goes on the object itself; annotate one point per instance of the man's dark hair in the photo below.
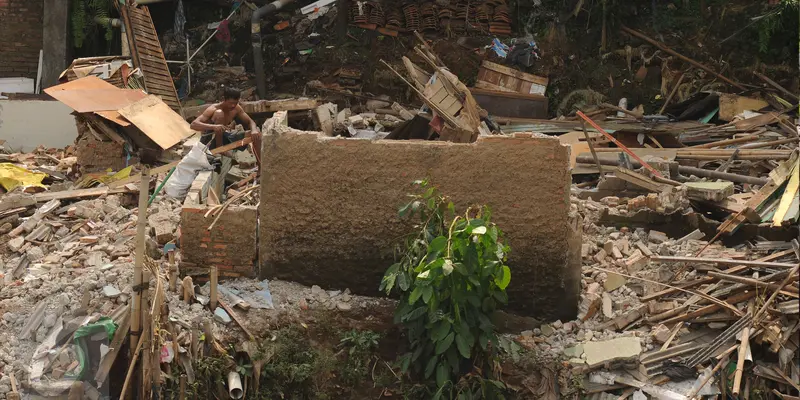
(231, 94)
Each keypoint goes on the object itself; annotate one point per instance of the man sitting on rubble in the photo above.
(218, 121)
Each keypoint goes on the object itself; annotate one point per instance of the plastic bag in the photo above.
(186, 171)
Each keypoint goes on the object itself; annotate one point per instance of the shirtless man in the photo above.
(218, 118)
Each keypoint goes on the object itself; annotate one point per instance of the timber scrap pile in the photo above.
(685, 318)
(453, 112)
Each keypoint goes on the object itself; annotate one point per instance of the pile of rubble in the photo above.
(67, 272)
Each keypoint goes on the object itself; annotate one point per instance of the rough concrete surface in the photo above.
(328, 212)
(27, 124)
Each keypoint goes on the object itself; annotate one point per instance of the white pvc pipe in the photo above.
(235, 385)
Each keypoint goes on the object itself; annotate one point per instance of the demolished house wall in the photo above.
(230, 245)
(328, 212)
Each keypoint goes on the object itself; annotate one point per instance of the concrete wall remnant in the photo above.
(27, 124)
(328, 211)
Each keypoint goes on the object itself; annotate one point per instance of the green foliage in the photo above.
(452, 275)
(86, 15)
(296, 369)
(360, 346)
(773, 21)
(210, 373)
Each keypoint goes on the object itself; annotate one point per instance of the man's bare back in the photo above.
(218, 118)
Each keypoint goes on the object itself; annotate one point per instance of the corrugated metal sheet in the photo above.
(149, 57)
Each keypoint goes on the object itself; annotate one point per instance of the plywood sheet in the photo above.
(573, 139)
(156, 120)
(89, 82)
(114, 117)
(91, 100)
(731, 105)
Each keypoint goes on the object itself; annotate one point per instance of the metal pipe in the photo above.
(235, 385)
(255, 32)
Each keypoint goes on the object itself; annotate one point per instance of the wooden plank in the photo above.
(260, 106)
(144, 40)
(149, 56)
(514, 73)
(513, 95)
(788, 195)
(104, 128)
(641, 181)
(78, 193)
(158, 86)
(482, 84)
(114, 347)
(722, 261)
(157, 121)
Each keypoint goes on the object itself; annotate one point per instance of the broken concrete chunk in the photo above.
(661, 333)
(614, 282)
(164, 227)
(600, 256)
(614, 350)
(657, 236)
(695, 235)
(547, 330)
(608, 310)
(709, 191)
(357, 121)
(574, 351)
(221, 316)
(16, 243)
(111, 292)
(35, 254)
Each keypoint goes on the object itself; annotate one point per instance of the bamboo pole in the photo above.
(776, 85)
(772, 298)
(770, 144)
(743, 139)
(617, 142)
(664, 48)
(737, 377)
(672, 94)
(173, 272)
(130, 370)
(141, 225)
(213, 295)
(722, 361)
(182, 395)
(147, 353)
(594, 153)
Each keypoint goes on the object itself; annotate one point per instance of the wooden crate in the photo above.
(492, 76)
(510, 104)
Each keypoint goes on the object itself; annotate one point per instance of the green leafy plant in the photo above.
(359, 346)
(86, 16)
(360, 341)
(451, 276)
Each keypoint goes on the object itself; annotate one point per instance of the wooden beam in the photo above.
(260, 106)
(723, 261)
(116, 345)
